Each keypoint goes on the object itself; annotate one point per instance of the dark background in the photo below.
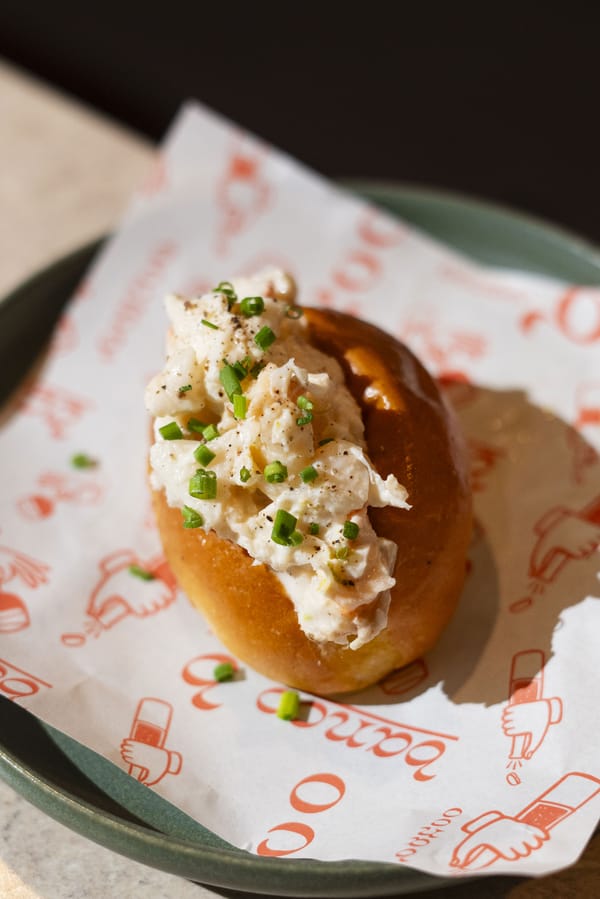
(507, 109)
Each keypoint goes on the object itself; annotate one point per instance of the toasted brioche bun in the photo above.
(411, 433)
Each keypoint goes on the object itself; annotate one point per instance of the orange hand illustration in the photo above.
(119, 594)
(150, 763)
(528, 722)
(14, 564)
(144, 750)
(563, 534)
(493, 836)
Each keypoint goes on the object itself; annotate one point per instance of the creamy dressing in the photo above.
(339, 586)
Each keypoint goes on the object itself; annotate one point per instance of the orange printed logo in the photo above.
(199, 673)
(562, 536)
(428, 833)
(361, 266)
(144, 749)
(14, 615)
(528, 715)
(312, 795)
(127, 587)
(57, 488)
(358, 272)
(379, 232)
(406, 679)
(243, 194)
(135, 302)
(58, 408)
(576, 315)
(360, 729)
(15, 683)
(16, 566)
(494, 836)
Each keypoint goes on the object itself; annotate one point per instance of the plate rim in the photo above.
(271, 876)
(578, 244)
(311, 877)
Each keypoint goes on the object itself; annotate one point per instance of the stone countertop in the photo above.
(66, 174)
(41, 859)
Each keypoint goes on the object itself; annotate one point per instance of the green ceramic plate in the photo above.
(88, 794)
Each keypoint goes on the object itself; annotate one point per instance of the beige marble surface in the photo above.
(65, 176)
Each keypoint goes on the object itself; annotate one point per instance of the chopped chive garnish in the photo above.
(203, 485)
(245, 474)
(226, 288)
(264, 338)
(246, 363)
(256, 369)
(194, 424)
(325, 440)
(309, 473)
(142, 573)
(313, 528)
(82, 460)
(275, 472)
(184, 389)
(171, 431)
(224, 671)
(240, 370)
(240, 404)
(289, 705)
(350, 530)
(283, 527)
(208, 324)
(210, 432)
(342, 552)
(304, 403)
(304, 419)
(230, 381)
(296, 538)
(252, 306)
(294, 312)
(191, 518)
(203, 454)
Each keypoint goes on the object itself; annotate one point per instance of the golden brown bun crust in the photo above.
(409, 433)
